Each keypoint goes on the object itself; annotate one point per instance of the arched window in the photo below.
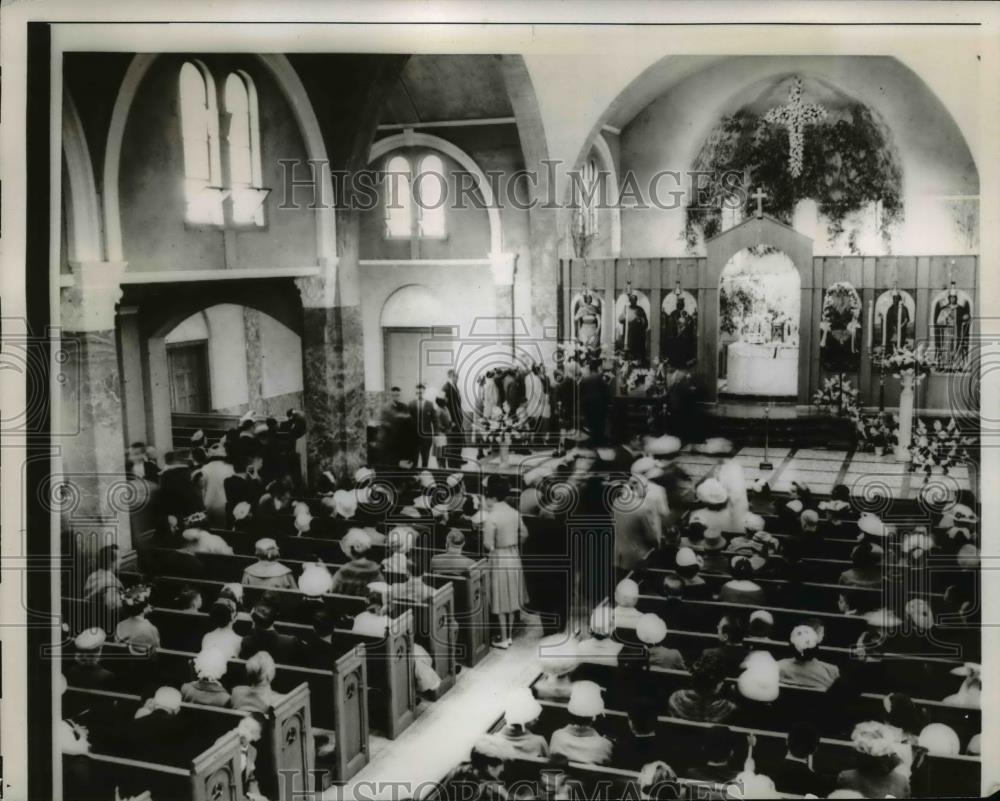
(588, 195)
(431, 189)
(243, 140)
(398, 198)
(200, 136)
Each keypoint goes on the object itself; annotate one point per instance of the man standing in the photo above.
(453, 400)
(424, 425)
(595, 398)
(394, 430)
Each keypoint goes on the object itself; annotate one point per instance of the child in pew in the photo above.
(267, 571)
(704, 700)
(209, 667)
(222, 638)
(795, 774)
(257, 695)
(804, 669)
(741, 589)
(579, 741)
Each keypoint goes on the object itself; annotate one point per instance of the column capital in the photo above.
(320, 291)
(89, 304)
(503, 265)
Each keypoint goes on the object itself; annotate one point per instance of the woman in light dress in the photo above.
(503, 533)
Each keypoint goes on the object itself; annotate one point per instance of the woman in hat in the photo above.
(579, 741)
(399, 542)
(102, 585)
(729, 473)
(759, 687)
(480, 777)
(703, 701)
(878, 748)
(866, 569)
(804, 669)
(685, 581)
(521, 711)
(134, 629)
(713, 500)
(503, 533)
(652, 632)
(558, 657)
(354, 577)
(626, 598)
(972, 686)
(222, 637)
(242, 486)
(741, 589)
(601, 648)
(209, 666)
(256, 694)
(267, 571)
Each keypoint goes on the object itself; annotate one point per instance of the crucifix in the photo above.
(795, 116)
(759, 196)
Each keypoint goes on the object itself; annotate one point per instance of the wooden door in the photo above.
(189, 382)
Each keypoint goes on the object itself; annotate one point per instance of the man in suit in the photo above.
(595, 398)
(452, 560)
(282, 647)
(795, 775)
(424, 427)
(178, 496)
(139, 463)
(453, 400)
(395, 435)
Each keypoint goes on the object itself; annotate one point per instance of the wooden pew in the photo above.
(792, 705)
(207, 768)
(283, 750)
(945, 776)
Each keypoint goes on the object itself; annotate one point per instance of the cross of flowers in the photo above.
(795, 116)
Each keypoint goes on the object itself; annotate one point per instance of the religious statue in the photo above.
(632, 327)
(952, 318)
(680, 329)
(587, 320)
(895, 322)
(840, 329)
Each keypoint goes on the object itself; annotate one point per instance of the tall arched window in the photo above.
(588, 195)
(200, 136)
(431, 189)
(398, 198)
(243, 140)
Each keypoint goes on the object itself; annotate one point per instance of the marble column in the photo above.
(92, 493)
(333, 377)
(503, 268)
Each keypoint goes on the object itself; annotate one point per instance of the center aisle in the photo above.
(445, 730)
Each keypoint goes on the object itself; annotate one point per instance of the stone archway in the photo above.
(751, 233)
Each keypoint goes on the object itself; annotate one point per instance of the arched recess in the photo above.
(413, 305)
(83, 222)
(418, 139)
(289, 83)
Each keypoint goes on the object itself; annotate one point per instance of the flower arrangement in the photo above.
(904, 361)
(503, 426)
(575, 352)
(876, 739)
(840, 396)
(876, 431)
(938, 445)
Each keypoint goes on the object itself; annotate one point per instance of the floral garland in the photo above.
(847, 163)
(839, 394)
(941, 445)
(503, 427)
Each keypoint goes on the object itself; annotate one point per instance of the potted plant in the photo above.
(876, 432)
(504, 427)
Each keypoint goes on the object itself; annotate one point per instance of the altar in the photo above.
(770, 369)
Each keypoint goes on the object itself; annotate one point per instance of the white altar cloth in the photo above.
(762, 369)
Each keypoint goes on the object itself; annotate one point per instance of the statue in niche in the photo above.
(894, 311)
(633, 325)
(679, 345)
(952, 318)
(587, 319)
(840, 329)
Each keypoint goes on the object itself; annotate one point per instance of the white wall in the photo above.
(281, 358)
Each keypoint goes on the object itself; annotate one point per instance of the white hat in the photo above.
(917, 542)
(585, 699)
(401, 539)
(355, 541)
(362, 474)
(469, 454)
(303, 520)
(426, 478)
(975, 747)
(345, 503)
(627, 593)
(558, 655)
(602, 620)
(315, 580)
(198, 437)
(90, 639)
(760, 678)
(211, 663)
(717, 446)
(748, 784)
(662, 446)
(72, 740)
(760, 486)
(967, 556)
(940, 739)
(216, 449)
(521, 707)
(455, 479)
(260, 428)
(752, 523)
(241, 511)
(192, 534)
(963, 514)
(804, 638)
(762, 614)
(381, 587)
(650, 629)
(265, 546)
(833, 505)
(686, 557)
(712, 492)
(882, 618)
(247, 417)
(872, 525)
(235, 588)
(794, 506)
(919, 611)
(809, 516)
(647, 467)
(168, 698)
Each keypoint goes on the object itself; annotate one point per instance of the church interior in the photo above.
(648, 461)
